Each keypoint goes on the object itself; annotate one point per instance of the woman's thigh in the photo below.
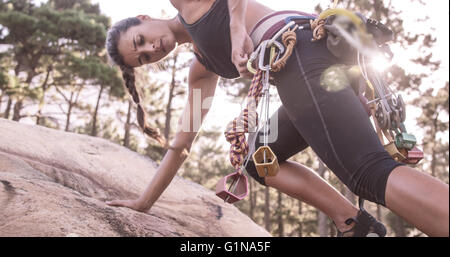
(286, 141)
(333, 122)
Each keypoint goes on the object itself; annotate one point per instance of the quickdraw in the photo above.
(234, 187)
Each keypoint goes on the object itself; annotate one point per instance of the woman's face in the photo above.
(148, 42)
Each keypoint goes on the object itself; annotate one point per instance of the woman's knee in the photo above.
(370, 179)
(251, 170)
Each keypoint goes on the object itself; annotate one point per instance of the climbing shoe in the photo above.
(365, 226)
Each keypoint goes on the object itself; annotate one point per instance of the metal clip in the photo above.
(405, 141)
(260, 54)
(237, 190)
(413, 157)
(392, 149)
(266, 162)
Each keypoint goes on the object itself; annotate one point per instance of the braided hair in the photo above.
(112, 41)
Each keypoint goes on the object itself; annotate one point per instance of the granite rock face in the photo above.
(54, 184)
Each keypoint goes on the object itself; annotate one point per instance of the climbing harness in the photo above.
(265, 160)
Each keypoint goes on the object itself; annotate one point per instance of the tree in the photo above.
(4, 80)
(44, 35)
(175, 66)
(322, 219)
(280, 215)
(267, 216)
(434, 105)
(204, 166)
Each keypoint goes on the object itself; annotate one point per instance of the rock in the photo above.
(54, 184)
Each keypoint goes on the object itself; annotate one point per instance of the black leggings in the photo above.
(334, 124)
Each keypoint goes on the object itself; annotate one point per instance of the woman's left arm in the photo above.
(242, 45)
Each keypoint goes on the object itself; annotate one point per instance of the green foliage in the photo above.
(83, 5)
(207, 163)
(66, 37)
(43, 31)
(4, 78)
(434, 122)
(92, 69)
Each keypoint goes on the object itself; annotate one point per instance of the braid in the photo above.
(130, 83)
(128, 75)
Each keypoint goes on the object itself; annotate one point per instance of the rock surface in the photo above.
(54, 184)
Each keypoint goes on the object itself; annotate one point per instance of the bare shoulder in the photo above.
(192, 10)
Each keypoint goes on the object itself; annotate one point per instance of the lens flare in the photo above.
(334, 78)
(380, 63)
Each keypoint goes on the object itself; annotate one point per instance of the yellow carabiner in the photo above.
(339, 11)
(250, 67)
(272, 54)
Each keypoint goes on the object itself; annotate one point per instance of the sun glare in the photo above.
(380, 63)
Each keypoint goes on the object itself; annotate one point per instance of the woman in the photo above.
(334, 124)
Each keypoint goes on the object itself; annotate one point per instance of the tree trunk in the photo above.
(433, 161)
(8, 108)
(267, 210)
(379, 214)
(42, 100)
(171, 96)
(300, 223)
(333, 229)
(399, 227)
(322, 225)
(252, 206)
(377, 6)
(280, 215)
(69, 113)
(94, 118)
(255, 195)
(322, 219)
(126, 140)
(17, 108)
(433, 146)
(349, 195)
(1, 99)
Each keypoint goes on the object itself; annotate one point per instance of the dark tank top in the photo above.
(211, 36)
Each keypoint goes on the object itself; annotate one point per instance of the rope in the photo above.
(289, 41)
(236, 130)
(318, 25)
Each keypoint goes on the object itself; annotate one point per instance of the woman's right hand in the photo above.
(242, 47)
(131, 204)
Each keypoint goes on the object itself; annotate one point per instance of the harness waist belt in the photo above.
(268, 26)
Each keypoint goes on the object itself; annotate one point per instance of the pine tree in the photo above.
(73, 33)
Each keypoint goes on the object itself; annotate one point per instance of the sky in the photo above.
(436, 10)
